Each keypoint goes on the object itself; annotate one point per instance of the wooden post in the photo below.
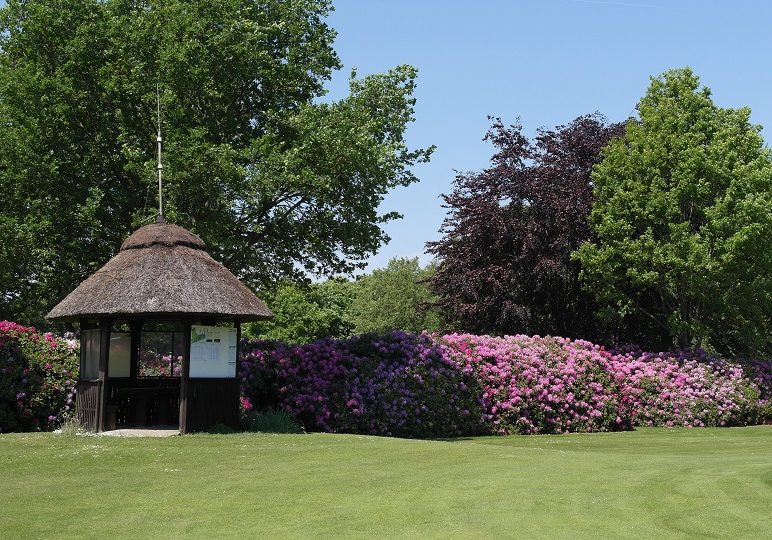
(136, 337)
(185, 406)
(80, 397)
(237, 322)
(105, 326)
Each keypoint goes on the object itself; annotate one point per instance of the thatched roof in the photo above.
(162, 269)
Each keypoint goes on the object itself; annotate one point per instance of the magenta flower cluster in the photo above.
(38, 374)
(435, 386)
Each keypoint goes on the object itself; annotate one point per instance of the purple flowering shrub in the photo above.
(760, 372)
(395, 384)
(38, 373)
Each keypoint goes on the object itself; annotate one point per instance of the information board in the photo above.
(212, 352)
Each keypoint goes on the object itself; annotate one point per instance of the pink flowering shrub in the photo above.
(395, 384)
(692, 388)
(543, 385)
(38, 373)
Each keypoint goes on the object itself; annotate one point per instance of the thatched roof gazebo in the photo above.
(160, 332)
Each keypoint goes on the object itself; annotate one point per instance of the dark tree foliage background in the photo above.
(505, 257)
(276, 182)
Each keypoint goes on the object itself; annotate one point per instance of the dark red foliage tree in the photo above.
(505, 259)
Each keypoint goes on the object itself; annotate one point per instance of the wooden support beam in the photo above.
(105, 326)
(185, 405)
(136, 336)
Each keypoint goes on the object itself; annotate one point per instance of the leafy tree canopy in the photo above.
(276, 182)
(307, 312)
(683, 219)
(391, 298)
(505, 257)
(395, 298)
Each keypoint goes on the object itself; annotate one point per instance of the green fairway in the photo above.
(650, 483)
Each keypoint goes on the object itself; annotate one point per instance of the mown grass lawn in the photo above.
(648, 483)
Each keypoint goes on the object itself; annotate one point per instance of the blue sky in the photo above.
(545, 61)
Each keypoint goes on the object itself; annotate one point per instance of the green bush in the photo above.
(270, 421)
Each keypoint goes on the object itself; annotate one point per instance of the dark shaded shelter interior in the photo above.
(136, 316)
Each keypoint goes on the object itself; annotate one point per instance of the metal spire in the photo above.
(160, 167)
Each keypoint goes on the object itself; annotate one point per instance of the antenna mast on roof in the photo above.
(160, 167)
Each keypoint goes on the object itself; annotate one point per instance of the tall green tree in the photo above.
(275, 181)
(683, 222)
(307, 312)
(396, 298)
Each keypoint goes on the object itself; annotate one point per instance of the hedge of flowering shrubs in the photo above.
(38, 373)
(411, 385)
(556, 385)
(421, 386)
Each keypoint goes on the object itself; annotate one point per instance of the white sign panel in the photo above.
(212, 352)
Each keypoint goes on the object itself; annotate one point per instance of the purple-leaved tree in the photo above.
(505, 258)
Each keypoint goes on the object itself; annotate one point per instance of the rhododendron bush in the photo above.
(38, 373)
(395, 384)
(542, 385)
(691, 388)
(423, 386)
